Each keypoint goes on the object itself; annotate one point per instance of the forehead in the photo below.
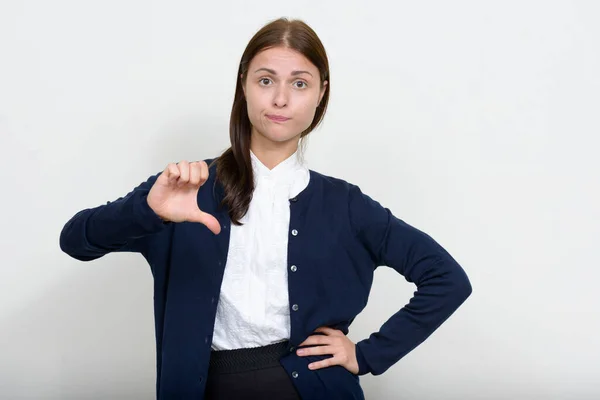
(281, 59)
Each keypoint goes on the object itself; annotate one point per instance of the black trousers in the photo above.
(248, 374)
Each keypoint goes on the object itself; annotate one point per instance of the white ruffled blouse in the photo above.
(253, 308)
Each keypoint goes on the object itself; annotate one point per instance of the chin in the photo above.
(280, 138)
(279, 135)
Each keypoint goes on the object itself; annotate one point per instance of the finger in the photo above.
(205, 218)
(316, 350)
(327, 330)
(184, 170)
(172, 173)
(328, 362)
(195, 170)
(203, 172)
(315, 339)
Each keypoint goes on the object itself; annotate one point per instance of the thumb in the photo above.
(207, 219)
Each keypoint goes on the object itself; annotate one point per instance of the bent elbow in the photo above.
(69, 245)
(463, 289)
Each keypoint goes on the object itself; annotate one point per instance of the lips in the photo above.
(278, 118)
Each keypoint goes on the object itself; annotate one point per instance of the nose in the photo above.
(281, 96)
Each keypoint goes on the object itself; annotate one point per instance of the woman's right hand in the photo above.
(174, 195)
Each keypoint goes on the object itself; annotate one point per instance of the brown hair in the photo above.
(234, 168)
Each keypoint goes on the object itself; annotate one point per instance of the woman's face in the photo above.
(281, 82)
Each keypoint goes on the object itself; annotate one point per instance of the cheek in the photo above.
(255, 105)
(308, 111)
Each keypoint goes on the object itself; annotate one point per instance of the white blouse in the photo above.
(253, 308)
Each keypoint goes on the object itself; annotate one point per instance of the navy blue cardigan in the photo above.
(338, 236)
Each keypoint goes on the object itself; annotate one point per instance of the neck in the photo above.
(271, 153)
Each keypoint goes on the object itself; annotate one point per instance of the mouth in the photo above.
(278, 118)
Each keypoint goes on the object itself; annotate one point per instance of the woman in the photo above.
(259, 263)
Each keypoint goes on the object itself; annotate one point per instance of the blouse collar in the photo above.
(281, 173)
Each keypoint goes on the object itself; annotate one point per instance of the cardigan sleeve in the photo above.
(442, 284)
(123, 225)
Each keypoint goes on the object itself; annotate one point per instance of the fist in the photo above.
(174, 195)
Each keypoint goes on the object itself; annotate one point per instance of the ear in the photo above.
(242, 83)
(322, 91)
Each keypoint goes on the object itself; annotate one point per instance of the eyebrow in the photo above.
(275, 73)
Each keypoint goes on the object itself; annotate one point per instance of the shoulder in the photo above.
(360, 206)
(345, 196)
(342, 197)
(332, 185)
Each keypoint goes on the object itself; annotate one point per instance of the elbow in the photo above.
(463, 288)
(466, 289)
(68, 245)
(64, 240)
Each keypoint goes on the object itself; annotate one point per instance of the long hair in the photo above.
(234, 167)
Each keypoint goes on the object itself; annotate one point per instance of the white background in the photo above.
(474, 121)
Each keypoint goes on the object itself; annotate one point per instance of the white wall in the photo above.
(477, 122)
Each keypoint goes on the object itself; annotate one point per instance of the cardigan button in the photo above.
(294, 199)
(295, 307)
(294, 268)
(295, 374)
(294, 232)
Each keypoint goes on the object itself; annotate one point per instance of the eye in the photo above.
(304, 83)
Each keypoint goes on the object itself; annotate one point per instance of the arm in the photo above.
(121, 225)
(442, 284)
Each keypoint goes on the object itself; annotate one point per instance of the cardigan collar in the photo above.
(219, 190)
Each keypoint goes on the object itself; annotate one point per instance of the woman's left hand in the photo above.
(334, 342)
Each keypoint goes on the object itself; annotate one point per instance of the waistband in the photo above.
(247, 359)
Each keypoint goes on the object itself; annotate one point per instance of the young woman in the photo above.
(261, 264)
